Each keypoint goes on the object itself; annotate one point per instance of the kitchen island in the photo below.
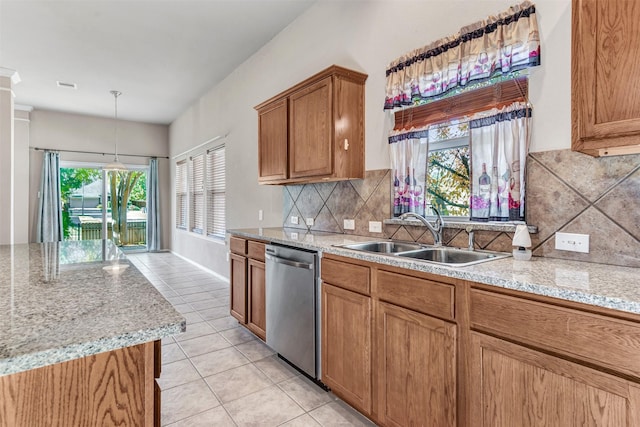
(79, 336)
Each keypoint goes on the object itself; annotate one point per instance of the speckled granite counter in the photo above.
(595, 284)
(58, 303)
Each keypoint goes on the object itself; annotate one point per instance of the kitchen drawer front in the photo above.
(346, 275)
(238, 245)
(255, 250)
(605, 341)
(415, 293)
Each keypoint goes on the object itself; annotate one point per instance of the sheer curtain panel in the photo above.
(499, 146)
(409, 151)
(153, 208)
(497, 45)
(49, 228)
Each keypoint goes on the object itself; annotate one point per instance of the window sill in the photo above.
(461, 224)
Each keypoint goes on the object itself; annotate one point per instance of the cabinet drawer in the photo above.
(238, 245)
(425, 296)
(255, 250)
(605, 341)
(345, 275)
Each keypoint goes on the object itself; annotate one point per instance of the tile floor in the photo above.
(218, 373)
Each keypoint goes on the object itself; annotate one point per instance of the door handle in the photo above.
(289, 262)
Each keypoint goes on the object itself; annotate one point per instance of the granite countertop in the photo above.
(66, 300)
(600, 285)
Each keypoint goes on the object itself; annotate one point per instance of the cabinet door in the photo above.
(512, 385)
(417, 368)
(346, 345)
(256, 316)
(310, 131)
(272, 141)
(605, 72)
(238, 281)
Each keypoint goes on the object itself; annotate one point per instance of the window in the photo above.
(448, 169)
(216, 188)
(467, 151)
(181, 194)
(197, 194)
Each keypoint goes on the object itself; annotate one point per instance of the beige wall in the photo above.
(21, 175)
(63, 131)
(365, 36)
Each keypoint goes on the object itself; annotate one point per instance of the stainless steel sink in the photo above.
(459, 257)
(384, 247)
(433, 254)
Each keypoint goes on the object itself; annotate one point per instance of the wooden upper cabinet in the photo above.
(605, 77)
(313, 131)
(272, 141)
(310, 129)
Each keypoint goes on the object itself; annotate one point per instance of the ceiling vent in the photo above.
(67, 85)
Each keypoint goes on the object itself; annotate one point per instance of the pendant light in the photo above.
(115, 165)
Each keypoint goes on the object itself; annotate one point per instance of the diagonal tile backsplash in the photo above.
(566, 191)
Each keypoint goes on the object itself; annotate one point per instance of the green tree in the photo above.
(72, 179)
(121, 184)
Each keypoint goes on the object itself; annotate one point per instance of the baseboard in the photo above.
(200, 266)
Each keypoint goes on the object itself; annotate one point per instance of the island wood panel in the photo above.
(416, 368)
(238, 282)
(346, 346)
(605, 71)
(311, 131)
(273, 141)
(106, 389)
(425, 296)
(256, 307)
(604, 341)
(346, 275)
(515, 386)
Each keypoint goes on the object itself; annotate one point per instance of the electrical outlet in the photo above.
(349, 224)
(309, 222)
(375, 227)
(260, 215)
(572, 242)
(294, 220)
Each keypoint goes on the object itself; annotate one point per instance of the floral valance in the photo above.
(498, 44)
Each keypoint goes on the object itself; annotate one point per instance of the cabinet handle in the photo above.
(346, 144)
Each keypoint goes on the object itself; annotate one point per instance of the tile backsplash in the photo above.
(566, 191)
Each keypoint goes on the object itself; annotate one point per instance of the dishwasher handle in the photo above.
(296, 264)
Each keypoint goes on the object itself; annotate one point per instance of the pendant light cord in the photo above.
(116, 94)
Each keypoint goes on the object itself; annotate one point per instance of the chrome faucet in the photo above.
(436, 231)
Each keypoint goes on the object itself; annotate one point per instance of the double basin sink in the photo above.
(435, 254)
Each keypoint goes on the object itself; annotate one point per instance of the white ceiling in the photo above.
(162, 55)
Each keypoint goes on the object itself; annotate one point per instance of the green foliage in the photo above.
(74, 178)
(449, 181)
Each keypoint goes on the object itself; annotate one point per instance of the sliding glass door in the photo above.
(99, 205)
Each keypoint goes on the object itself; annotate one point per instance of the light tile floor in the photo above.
(220, 374)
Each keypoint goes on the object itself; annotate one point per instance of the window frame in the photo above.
(182, 225)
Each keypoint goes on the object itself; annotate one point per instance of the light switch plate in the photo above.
(572, 242)
(375, 227)
(309, 222)
(349, 224)
(294, 220)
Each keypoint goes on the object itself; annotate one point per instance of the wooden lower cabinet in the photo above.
(416, 368)
(105, 389)
(256, 298)
(346, 345)
(516, 386)
(238, 282)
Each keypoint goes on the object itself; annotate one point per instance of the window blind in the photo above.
(197, 194)
(181, 194)
(216, 189)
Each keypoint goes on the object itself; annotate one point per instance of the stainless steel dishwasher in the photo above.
(292, 306)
